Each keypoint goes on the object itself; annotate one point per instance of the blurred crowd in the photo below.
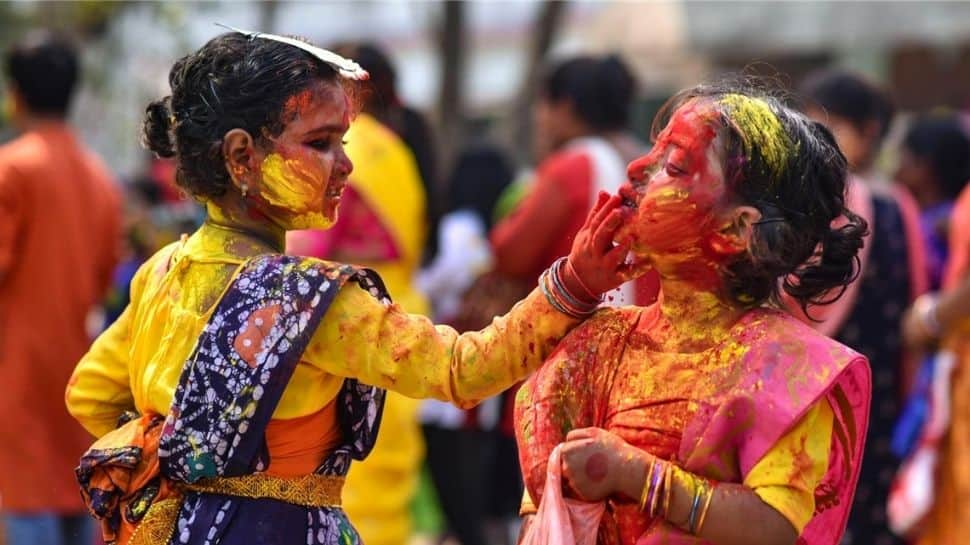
(461, 239)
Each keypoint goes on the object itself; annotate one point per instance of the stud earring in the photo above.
(244, 189)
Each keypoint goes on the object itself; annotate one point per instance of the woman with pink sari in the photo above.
(712, 416)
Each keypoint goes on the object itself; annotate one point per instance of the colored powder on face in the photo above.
(298, 104)
(761, 128)
(291, 186)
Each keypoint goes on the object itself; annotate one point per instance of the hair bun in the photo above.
(839, 265)
(157, 128)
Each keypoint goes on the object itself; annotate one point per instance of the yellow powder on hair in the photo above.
(761, 128)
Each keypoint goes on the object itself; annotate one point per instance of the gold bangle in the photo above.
(668, 491)
(658, 484)
(707, 505)
(646, 485)
(689, 483)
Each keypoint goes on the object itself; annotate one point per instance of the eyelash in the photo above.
(674, 170)
(324, 145)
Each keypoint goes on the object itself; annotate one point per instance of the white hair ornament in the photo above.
(344, 66)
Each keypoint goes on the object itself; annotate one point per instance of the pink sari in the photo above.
(764, 378)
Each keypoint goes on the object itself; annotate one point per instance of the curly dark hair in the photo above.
(233, 81)
(789, 168)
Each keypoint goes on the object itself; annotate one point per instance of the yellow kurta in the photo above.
(380, 490)
(136, 363)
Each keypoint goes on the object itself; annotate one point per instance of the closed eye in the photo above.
(674, 170)
(319, 144)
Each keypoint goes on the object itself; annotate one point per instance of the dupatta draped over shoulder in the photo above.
(759, 383)
(155, 479)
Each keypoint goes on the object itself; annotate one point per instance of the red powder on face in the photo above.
(681, 186)
(597, 467)
(298, 104)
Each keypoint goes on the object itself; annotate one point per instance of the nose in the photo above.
(638, 169)
(344, 165)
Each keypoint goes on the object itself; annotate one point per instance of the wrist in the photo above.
(561, 297)
(633, 475)
(575, 283)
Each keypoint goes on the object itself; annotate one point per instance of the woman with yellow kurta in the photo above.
(239, 373)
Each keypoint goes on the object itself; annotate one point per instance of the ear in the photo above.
(738, 228)
(240, 155)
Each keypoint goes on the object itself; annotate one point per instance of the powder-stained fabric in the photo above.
(774, 406)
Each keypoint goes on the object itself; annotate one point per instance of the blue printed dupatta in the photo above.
(226, 395)
(224, 402)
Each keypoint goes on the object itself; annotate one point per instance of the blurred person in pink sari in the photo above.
(893, 273)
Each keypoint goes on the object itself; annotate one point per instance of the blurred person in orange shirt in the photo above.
(59, 242)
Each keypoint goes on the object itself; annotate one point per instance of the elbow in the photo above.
(72, 400)
(80, 408)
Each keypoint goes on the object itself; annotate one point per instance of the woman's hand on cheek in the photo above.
(596, 463)
(595, 264)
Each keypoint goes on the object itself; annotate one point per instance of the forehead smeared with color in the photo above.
(759, 128)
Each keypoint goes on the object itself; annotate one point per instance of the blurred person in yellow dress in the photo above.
(382, 226)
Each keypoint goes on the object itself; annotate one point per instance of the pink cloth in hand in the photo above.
(562, 521)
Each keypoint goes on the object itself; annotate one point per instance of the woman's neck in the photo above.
(693, 319)
(252, 225)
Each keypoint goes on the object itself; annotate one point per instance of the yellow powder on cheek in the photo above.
(289, 184)
(759, 126)
(292, 186)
